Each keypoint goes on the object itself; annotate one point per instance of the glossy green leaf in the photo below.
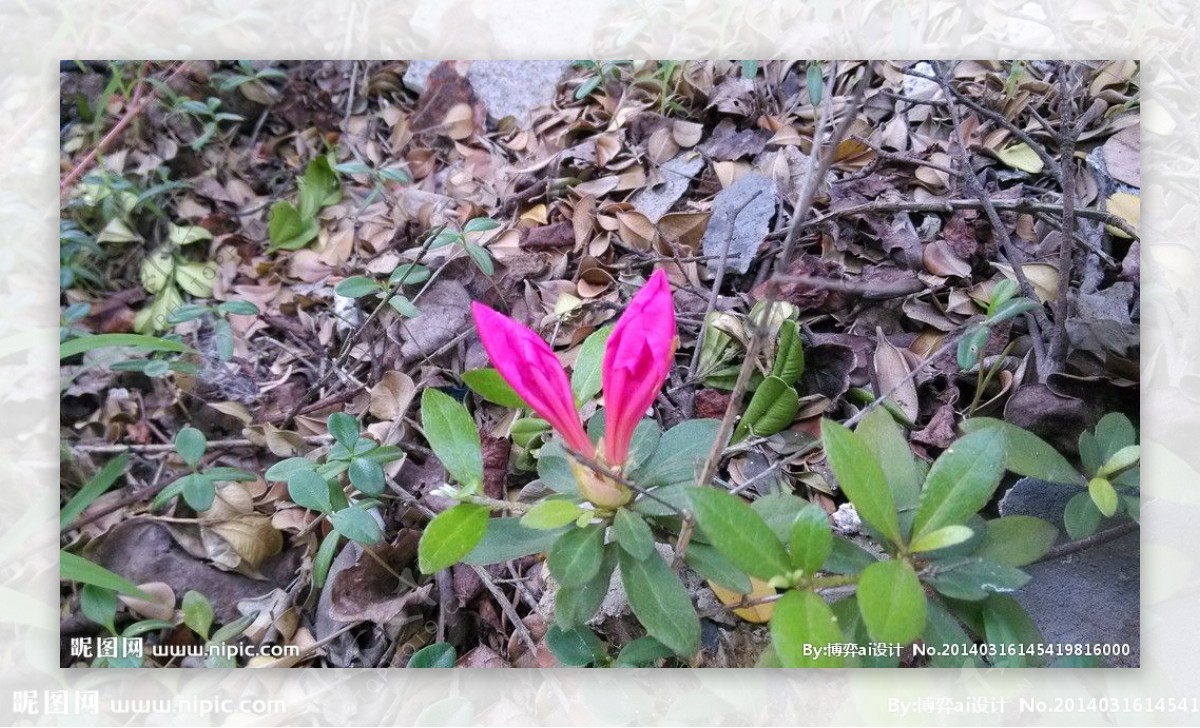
(575, 557)
(574, 646)
(344, 429)
(575, 605)
(93, 489)
(357, 287)
(197, 613)
(771, 409)
(780, 511)
(551, 513)
(506, 539)
(660, 602)
(99, 605)
(309, 490)
(452, 434)
(437, 655)
(1027, 454)
(1103, 495)
(367, 476)
(975, 578)
(971, 345)
(739, 533)
(801, 627)
(324, 558)
(892, 601)
(709, 563)
(960, 482)
(886, 441)
(451, 535)
(488, 383)
(100, 341)
(190, 443)
(1017, 540)
(679, 456)
(1006, 623)
(585, 376)
(861, 478)
(642, 652)
(76, 568)
(1081, 516)
(789, 354)
(287, 229)
(358, 525)
(811, 540)
(632, 533)
(942, 538)
(1121, 459)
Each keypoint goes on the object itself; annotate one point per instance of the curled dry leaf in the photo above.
(1042, 276)
(941, 260)
(391, 397)
(893, 373)
(160, 606)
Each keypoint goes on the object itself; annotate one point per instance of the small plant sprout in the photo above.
(637, 359)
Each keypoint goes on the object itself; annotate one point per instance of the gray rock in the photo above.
(1040, 498)
(1089, 597)
(507, 88)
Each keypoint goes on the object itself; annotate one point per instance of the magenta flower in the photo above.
(637, 360)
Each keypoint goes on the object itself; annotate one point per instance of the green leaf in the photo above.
(190, 443)
(789, 354)
(709, 563)
(850, 621)
(679, 456)
(92, 489)
(1017, 540)
(960, 482)
(197, 613)
(223, 339)
(451, 535)
(632, 534)
(771, 409)
(554, 470)
(848, 557)
(1081, 516)
(811, 540)
(941, 538)
(403, 306)
(141, 627)
(506, 539)
(324, 558)
(77, 568)
(481, 257)
(1103, 495)
(1006, 623)
(660, 602)
(801, 626)
(437, 655)
(488, 383)
(1011, 309)
(972, 344)
(575, 557)
(1113, 432)
(944, 634)
(409, 274)
(99, 605)
(286, 228)
(357, 287)
(642, 652)
(975, 579)
(550, 514)
(585, 376)
(100, 341)
(575, 646)
(357, 524)
(344, 429)
(780, 511)
(575, 605)
(887, 443)
(452, 435)
(319, 187)
(1002, 292)
(861, 478)
(367, 476)
(1027, 454)
(309, 490)
(892, 601)
(1121, 459)
(480, 224)
(199, 491)
(739, 533)
(815, 82)
(282, 470)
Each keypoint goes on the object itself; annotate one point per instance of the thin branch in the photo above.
(1091, 542)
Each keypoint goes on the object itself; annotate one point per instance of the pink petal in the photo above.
(530, 367)
(637, 360)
